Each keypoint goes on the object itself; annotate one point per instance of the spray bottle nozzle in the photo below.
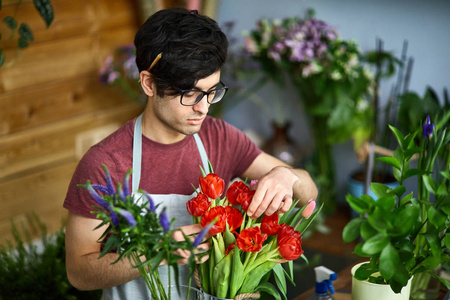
(324, 280)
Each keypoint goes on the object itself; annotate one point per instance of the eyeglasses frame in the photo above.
(182, 92)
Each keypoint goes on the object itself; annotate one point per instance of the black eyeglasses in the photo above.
(192, 97)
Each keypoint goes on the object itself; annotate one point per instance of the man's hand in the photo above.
(274, 193)
(190, 230)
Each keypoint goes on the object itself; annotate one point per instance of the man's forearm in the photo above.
(91, 273)
(304, 188)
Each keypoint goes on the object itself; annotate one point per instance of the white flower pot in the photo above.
(364, 290)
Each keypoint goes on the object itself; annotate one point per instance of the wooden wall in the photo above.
(51, 104)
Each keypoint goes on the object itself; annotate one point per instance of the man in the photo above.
(179, 56)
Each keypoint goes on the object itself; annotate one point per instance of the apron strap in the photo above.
(202, 151)
(137, 154)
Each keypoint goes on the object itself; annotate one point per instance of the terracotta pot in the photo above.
(364, 290)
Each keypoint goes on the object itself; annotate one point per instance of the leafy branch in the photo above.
(45, 10)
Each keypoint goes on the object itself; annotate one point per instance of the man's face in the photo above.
(176, 119)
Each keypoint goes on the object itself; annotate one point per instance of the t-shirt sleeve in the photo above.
(78, 200)
(231, 148)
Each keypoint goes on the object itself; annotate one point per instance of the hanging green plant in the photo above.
(25, 34)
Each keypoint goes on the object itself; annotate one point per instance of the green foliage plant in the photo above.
(25, 34)
(28, 272)
(405, 235)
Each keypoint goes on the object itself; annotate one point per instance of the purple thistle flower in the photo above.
(428, 128)
(100, 201)
(114, 217)
(128, 216)
(109, 184)
(164, 220)
(151, 203)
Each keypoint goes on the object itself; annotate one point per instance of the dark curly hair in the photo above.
(192, 46)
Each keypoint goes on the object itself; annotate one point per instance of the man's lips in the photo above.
(196, 121)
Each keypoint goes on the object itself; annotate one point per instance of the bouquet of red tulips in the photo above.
(244, 251)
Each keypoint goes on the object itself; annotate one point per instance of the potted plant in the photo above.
(329, 78)
(403, 235)
(37, 269)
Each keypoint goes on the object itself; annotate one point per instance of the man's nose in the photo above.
(202, 106)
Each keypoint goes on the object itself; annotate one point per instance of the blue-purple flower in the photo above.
(128, 216)
(109, 183)
(100, 201)
(164, 220)
(428, 128)
(151, 203)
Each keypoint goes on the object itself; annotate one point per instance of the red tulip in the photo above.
(219, 213)
(287, 231)
(290, 247)
(234, 190)
(234, 217)
(251, 239)
(229, 248)
(197, 206)
(212, 185)
(245, 198)
(269, 224)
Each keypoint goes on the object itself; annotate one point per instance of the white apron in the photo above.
(176, 208)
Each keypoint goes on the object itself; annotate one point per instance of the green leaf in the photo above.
(367, 231)
(375, 244)
(386, 203)
(359, 204)
(398, 135)
(10, 22)
(280, 279)
(389, 261)
(400, 190)
(352, 230)
(406, 200)
(236, 270)
(221, 276)
(447, 240)
(390, 161)
(430, 184)
(22, 43)
(380, 190)
(436, 217)
(45, 9)
(435, 243)
(253, 278)
(270, 289)
(406, 219)
(25, 32)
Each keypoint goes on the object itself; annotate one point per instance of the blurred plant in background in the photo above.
(120, 70)
(332, 83)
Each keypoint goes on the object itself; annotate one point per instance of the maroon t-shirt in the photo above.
(166, 168)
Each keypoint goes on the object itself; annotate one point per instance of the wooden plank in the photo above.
(42, 192)
(23, 109)
(60, 60)
(72, 18)
(54, 143)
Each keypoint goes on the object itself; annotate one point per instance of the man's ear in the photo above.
(147, 83)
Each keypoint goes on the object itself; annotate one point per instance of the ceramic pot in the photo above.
(364, 290)
(191, 293)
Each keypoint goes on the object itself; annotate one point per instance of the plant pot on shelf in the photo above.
(355, 185)
(281, 144)
(364, 290)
